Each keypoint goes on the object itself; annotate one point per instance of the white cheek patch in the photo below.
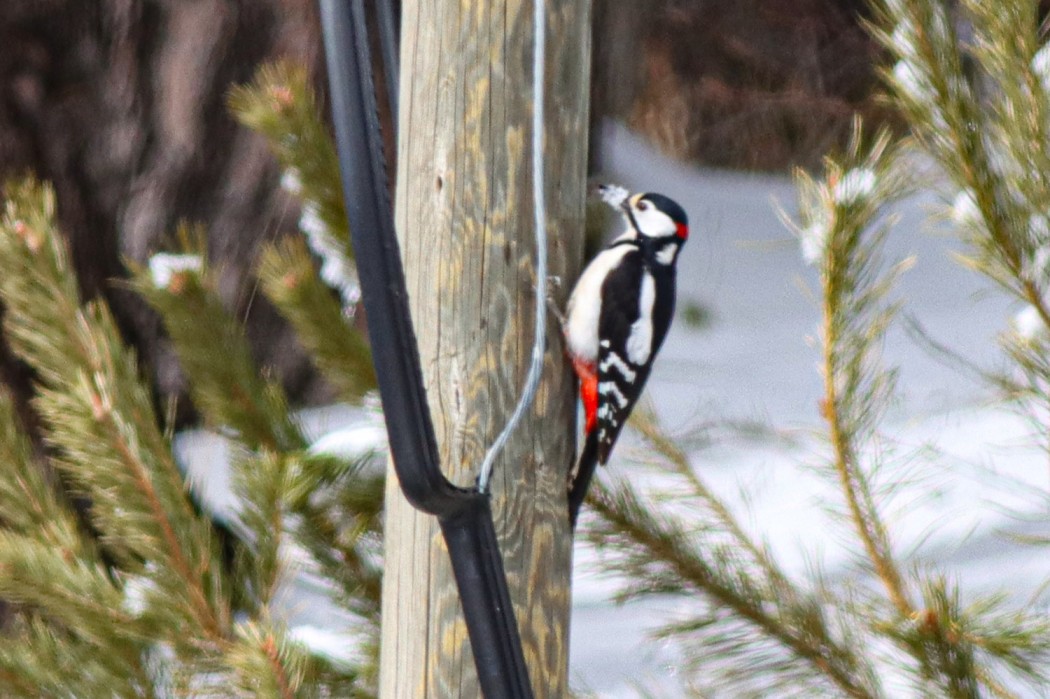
(640, 341)
(655, 223)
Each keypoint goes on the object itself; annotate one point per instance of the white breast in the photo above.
(585, 304)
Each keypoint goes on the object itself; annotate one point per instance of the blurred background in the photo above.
(122, 105)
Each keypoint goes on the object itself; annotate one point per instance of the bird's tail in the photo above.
(583, 472)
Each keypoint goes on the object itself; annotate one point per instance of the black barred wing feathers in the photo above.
(620, 380)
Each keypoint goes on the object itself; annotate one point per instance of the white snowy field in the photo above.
(986, 475)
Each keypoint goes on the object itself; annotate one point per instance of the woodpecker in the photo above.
(617, 317)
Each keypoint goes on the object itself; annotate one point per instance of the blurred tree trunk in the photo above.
(464, 203)
(751, 84)
(121, 103)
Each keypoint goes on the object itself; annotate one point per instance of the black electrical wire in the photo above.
(465, 516)
(388, 19)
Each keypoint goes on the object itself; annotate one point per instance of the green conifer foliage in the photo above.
(289, 279)
(280, 105)
(138, 600)
(974, 83)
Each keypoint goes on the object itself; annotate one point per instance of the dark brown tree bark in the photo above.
(121, 104)
(750, 84)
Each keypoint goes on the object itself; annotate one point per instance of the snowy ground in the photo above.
(987, 475)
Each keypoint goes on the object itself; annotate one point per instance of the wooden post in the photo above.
(464, 217)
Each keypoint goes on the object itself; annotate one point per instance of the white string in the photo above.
(539, 208)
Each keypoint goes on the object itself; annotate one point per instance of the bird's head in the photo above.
(653, 215)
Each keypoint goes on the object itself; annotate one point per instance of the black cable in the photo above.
(388, 15)
(465, 516)
(362, 165)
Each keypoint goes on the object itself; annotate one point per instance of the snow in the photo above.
(964, 209)
(137, 590)
(326, 643)
(854, 186)
(984, 477)
(311, 224)
(613, 194)
(910, 80)
(812, 241)
(163, 266)
(351, 441)
(291, 182)
(1041, 66)
(1028, 323)
(337, 269)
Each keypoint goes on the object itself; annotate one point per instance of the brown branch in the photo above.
(270, 649)
(176, 555)
(870, 532)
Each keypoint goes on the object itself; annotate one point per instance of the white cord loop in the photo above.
(539, 206)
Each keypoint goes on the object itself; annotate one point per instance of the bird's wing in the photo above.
(620, 379)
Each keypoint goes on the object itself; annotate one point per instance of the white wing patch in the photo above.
(609, 388)
(614, 360)
(640, 341)
(585, 304)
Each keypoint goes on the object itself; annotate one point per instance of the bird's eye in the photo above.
(642, 206)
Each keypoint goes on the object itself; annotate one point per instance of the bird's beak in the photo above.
(629, 215)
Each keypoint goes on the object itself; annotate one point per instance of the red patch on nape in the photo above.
(683, 230)
(587, 371)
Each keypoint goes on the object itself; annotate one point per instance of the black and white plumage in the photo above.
(618, 316)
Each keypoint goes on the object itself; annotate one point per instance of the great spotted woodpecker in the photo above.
(617, 318)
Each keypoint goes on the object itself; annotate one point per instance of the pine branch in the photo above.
(280, 104)
(160, 620)
(290, 281)
(855, 318)
(68, 608)
(263, 482)
(227, 386)
(265, 664)
(79, 595)
(645, 423)
(98, 413)
(225, 381)
(37, 660)
(853, 326)
(29, 505)
(342, 528)
(661, 557)
(997, 155)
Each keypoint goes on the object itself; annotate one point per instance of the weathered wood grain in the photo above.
(464, 217)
